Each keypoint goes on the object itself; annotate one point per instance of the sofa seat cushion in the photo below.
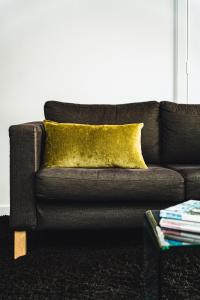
(110, 184)
(191, 175)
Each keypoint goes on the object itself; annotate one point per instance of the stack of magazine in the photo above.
(181, 222)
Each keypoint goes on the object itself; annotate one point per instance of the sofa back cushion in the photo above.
(143, 112)
(180, 133)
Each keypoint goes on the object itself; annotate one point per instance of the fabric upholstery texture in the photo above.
(191, 175)
(180, 133)
(143, 112)
(25, 159)
(110, 184)
(93, 146)
(106, 215)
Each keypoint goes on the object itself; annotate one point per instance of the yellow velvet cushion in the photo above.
(93, 146)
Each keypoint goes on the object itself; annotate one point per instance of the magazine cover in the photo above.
(187, 211)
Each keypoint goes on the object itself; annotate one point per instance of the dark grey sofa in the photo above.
(66, 198)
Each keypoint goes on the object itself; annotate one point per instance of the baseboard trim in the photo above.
(4, 210)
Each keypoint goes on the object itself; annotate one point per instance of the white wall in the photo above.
(86, 51)
(194, 51)
(188, 51)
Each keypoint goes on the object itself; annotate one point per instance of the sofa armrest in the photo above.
(26, 146)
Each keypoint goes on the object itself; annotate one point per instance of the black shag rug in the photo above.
(83, 265)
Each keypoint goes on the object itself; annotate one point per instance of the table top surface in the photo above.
(152, 218)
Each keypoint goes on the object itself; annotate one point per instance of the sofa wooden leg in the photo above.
(20, 244)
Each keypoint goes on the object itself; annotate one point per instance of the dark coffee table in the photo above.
(170, 272)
